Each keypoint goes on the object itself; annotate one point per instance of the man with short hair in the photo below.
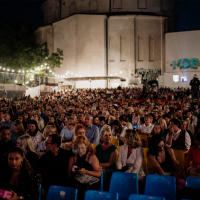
(7, 122)
(177, 139)
(96, 121)
(1, 116)
(102, 122)
(81, 118)
(167, 118)
(53, 166)
(92, 131)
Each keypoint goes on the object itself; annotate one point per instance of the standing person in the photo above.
(19, 177)
(194, 83)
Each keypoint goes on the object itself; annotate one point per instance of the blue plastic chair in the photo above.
(40, 192)
(192, 182)
(124, 184)
(161, 186)
(144, 197)
(60, 192)
(99, 195)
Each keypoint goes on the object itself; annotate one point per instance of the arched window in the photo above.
(140, 48)
(93, 5)
(72, 8)
(142, 4)
(117, 4)
(151, 48)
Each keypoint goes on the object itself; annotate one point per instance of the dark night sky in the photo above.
(188, 14)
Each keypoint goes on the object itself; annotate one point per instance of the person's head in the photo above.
(70, 122)
(102, 121)
(96, 120)
(116, 124)
(162, 123)
(197, 140)
(175, 124)
(132, 139)
(195, 76)
(155, 114)
(18, 127)
(7, 117)
(156, 145)
(127, 111)
(80, 144)
(5, 134)
(157, 128)
(184, 124)
(32, 126)
(18, 162)
(20, 118)
(52, 119)
(167, 118)
(49, 130)
(26, 116)
(123, 119)
(177, 112)
(79, 130)
(189, 114)
(52, 142)
(147, 119)
(48, 112)
(81, 116)
(88, 120)
(1, 114)
(25, 143)
(117, 115)
(106, 134)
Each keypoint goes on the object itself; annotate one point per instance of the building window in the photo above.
(142, 4)
(176, 78)
(93, 5)
(117, 4)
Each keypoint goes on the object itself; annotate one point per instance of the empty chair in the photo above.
(161, 186)
(99, 195)
(192, 182)
(144, 197)
(60, 192)
(124, 184)
(115, 141)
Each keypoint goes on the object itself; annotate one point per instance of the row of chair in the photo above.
(124, 185)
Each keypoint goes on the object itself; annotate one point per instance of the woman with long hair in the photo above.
(26, 119)
(18, 131)
(163, 125)
(34, 132)
(37, 118)
(26, 144)
(19, 177)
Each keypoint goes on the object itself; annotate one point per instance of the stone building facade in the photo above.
(108, 37)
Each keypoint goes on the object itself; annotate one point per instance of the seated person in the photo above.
(156, 130)
(19, 177)
(26, 144)
(118, 130)
(194, 153)
(107, 155)
(34, 132)
(178, 138)
(67, 133)
(163, 125)
(86, 164)
(147, 127)
(162, 158)
(18, 131)
(80, 131)
(131, 155)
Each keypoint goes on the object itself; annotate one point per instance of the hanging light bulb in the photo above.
(45, 63)
(13, 70)
(50, 70)
(53, 73)
(3, 68)
(15, 81)
(41, 65)
(0, 67)
(19, 71)
(31, 70)
(8, 70)
(116, 74)
(47, 67)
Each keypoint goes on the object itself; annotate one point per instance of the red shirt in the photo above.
(194, 156)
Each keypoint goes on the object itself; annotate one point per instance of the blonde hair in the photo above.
(47, 129)
(71, 121)
(38, 113)
(165, 124)
(104, 129)
(27, 143)
(133, 139)
(81, 140)
(20, 126)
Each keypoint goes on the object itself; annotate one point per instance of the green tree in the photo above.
(20, 52)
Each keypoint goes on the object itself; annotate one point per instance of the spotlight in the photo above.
(13, 70)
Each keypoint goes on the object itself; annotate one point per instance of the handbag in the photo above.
(86, 179)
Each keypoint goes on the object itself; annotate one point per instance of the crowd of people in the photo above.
(66, 138)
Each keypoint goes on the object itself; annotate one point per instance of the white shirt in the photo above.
(146, 129)
(175, 137)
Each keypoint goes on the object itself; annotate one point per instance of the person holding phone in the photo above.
(19, 177)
